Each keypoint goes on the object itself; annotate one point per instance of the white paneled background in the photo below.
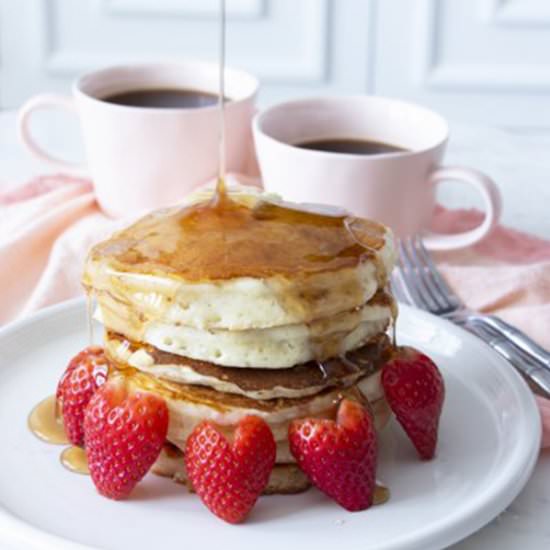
(483, 61)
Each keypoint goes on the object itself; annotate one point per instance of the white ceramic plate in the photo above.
(489, 441)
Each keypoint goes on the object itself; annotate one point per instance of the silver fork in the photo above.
(417, 281)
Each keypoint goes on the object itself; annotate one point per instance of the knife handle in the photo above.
(515, 336)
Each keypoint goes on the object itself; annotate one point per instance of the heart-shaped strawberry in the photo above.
(229, 478)
(415, 390)
(124, 432)
(339, 457)
(86, 372)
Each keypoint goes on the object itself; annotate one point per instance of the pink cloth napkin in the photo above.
(48, 225)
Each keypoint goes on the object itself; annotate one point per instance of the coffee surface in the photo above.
(351, 146)
(164, 98)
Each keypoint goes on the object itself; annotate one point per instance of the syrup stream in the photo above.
(89, 317)
(221, 100)
(323, 370)
(220, 193)
(347, 361)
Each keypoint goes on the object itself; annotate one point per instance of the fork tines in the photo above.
(417, 281)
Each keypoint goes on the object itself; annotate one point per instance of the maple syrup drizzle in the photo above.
(323, 369)
(46, 424)
(366, 235)
(227, 238)
(75, 460)
(347, 361)
(89, 317)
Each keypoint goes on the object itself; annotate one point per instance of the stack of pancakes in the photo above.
(246, 306)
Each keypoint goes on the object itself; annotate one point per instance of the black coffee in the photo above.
(351, 146)
(164, 98)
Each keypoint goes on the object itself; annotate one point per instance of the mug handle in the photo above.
(492, 201)
(46, 101)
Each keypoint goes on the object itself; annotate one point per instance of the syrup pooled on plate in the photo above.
(381, 494)
(46, 424)
(75, 460)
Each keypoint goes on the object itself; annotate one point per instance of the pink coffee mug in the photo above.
(397, 189)
(142, 158)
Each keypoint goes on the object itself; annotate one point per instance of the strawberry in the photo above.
(339, 457)
(124, 432)
(415, 391)
(229, 478)
(84, 374)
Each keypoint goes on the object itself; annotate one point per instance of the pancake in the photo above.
(230, 306)
(274, 347)
(253, 264)
(189, 405)
(301, 380)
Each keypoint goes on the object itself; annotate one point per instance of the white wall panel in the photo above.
(486, 61)
(294, 46)
(184, 8)
(476, 60)
(516, 13)
(84, 38)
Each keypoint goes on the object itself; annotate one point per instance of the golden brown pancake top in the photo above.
(225, 239)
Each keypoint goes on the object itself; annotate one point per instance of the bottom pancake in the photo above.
(284, 479)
